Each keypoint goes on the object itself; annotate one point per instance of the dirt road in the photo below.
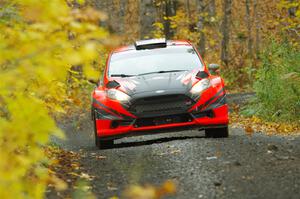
(240, 166)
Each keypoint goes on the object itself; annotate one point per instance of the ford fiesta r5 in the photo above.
(157, 86)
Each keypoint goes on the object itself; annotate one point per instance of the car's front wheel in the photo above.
(101, 144)
(217, 132)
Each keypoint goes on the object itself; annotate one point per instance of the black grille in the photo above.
(161, 105)
(208, 113)
(168, 119)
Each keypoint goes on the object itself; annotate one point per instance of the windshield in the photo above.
(173, 58)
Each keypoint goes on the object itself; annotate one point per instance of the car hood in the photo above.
(159, 83)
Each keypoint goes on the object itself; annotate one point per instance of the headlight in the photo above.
(201, 86)
(117, 95)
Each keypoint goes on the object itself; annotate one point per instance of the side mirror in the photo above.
(214, 69)
(93, 81)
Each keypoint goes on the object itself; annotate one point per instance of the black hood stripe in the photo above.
(111, 110)
(220, 101)
(211, 99)
(105, 107)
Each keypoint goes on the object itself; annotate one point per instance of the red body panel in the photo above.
(113, 107)
(221, 118)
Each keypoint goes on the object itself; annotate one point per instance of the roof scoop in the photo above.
(150, 44)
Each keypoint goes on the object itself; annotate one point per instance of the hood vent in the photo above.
(112, 84)
(202, 75)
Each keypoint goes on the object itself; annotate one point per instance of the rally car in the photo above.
(158, 86)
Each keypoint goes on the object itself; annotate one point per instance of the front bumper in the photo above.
(111, 129)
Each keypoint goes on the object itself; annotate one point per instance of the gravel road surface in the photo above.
(240, 166)
(236, 167)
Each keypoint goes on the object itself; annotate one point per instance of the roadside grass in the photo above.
(277, 85)
(256, 124)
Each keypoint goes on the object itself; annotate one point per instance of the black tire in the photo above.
(101, 144)
(104, 144)
(217, 132)
(92, 113)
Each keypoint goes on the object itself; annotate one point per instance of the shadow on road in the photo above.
(153, 141)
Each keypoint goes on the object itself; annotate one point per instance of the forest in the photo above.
(50, 49)
(247, 38)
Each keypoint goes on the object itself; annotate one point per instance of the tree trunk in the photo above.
(122, 10)
(148, 14)
(188, 10)
(170, 10)
(212, 8)
(132, 20)
(257, 28)
(201, 44)
(292, 10)
(248, 22)
(226, 32)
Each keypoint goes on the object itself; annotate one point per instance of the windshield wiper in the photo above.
(121, 75)
(162, 71)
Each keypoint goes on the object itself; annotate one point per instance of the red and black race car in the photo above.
(157, 86)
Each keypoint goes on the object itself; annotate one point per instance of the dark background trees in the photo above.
(227, 32)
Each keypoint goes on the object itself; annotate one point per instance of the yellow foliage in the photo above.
(158, 31)
(255, 124)
(290, 24)
(39, 42)
(181, 23)
(150, 192)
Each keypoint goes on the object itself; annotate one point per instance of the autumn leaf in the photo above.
(249, 130)
(150, 192)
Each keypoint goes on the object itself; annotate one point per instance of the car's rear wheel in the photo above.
(217, 132)
(101, 144)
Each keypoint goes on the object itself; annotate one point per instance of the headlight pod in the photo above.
(117, 95)
(200, 86)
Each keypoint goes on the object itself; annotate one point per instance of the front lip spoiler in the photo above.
(160, 131)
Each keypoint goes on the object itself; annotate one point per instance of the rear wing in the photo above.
(150, 44)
